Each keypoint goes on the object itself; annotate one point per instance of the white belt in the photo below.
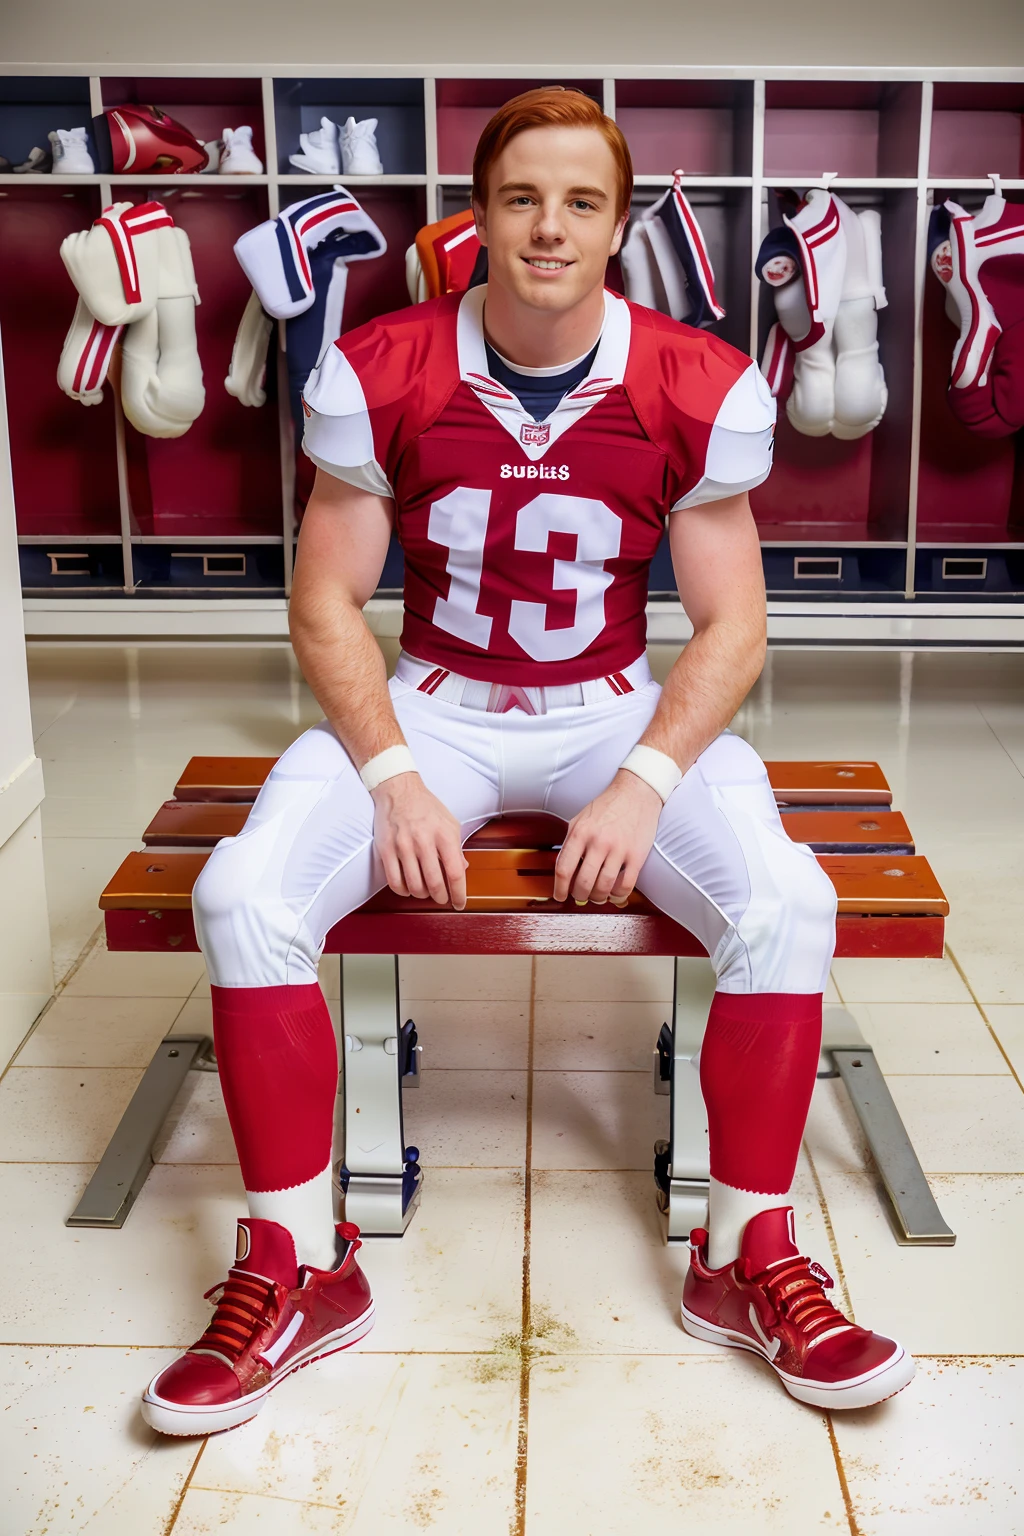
(498, 698)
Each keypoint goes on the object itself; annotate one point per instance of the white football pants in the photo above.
(721, 864)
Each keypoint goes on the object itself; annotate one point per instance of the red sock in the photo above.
(278, 1065)
(758, 1064)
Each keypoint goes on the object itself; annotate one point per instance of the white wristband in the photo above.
(387, 765)
(656, 768)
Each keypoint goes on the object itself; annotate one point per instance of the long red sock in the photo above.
(757, 1069)
(278, 1065)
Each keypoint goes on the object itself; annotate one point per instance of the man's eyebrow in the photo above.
(529, 186)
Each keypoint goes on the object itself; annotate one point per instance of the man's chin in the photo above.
(547, 295)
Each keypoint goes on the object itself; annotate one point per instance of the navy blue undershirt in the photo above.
(538, 396)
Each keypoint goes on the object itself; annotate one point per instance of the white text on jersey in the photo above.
(535, 471)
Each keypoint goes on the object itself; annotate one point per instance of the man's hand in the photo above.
(608, 842)
(419, 841)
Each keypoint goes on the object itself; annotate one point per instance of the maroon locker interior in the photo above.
(853, 127)
(63, 454)
(977, 129)
(464, 106)
(699, 126)
(966, 482)
(829, 489)
(223, 475)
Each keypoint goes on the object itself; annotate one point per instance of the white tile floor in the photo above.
(573, 1406)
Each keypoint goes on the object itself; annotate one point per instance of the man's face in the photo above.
(550, 223)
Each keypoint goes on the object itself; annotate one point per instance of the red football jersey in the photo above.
(527, 544)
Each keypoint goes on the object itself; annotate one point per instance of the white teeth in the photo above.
(546, 266)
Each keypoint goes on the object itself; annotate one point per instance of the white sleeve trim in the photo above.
(365, 477)
(739, 453)
(714, 490)
(339, 436)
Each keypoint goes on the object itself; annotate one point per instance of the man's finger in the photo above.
(565, 864)
(430, 866)
(607, 879)
(411, 871)
(393, 872)
(455, 866)
(586, 875)
(623, 887)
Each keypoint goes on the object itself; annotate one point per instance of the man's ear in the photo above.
(620, 230)
(480, 214)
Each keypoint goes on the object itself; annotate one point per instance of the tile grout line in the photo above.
(517, 1526)
(488, 1354)
(58, 988)
(988, 1024)
(832, 1243)
(176, 1511)
(844, 1486)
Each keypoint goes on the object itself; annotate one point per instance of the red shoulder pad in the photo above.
(704, 403)
(382, 384)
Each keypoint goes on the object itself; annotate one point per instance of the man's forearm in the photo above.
(706, 686)
(343, 665)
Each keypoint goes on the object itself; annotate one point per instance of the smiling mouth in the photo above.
(546, 264)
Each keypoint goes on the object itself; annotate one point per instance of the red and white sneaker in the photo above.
(772, 1301)
(271, 1318)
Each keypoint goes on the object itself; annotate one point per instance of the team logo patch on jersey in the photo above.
(538, 432)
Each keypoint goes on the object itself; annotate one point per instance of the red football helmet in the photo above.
(146, 139)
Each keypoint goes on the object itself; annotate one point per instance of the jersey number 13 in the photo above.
(459, 522)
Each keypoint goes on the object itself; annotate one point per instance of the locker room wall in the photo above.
(789, 33)
(26, 978)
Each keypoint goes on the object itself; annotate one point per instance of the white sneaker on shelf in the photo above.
(71, 155)
(238, 157)
(319, 153)
(214, 149)
(359, 155)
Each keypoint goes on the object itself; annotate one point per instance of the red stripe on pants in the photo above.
(278, 1065)
(758, 1064)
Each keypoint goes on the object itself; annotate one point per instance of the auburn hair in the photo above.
(550, 106)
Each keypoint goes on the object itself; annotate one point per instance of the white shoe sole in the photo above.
(313, 167)
(858, 1392)
(171, 1418)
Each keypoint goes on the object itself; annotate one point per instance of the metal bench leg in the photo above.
(124, 1166)
(915, 1216)
(681, 1166)
(379, 1175)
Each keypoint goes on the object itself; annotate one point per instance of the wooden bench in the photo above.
(889, 904)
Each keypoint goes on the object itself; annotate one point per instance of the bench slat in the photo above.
(199, 824)
(587, 930)
(223, 778)
(513, 879)
(239, 779)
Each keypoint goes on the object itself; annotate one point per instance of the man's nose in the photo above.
(549, 224)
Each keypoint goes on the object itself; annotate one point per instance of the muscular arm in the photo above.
(343, 543)
(716, 557)
(717, 561)
(342, 547)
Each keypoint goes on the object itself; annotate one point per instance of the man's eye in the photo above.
(582, 205)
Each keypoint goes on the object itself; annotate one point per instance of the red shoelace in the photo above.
(796, 1289)
(243, 1304)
